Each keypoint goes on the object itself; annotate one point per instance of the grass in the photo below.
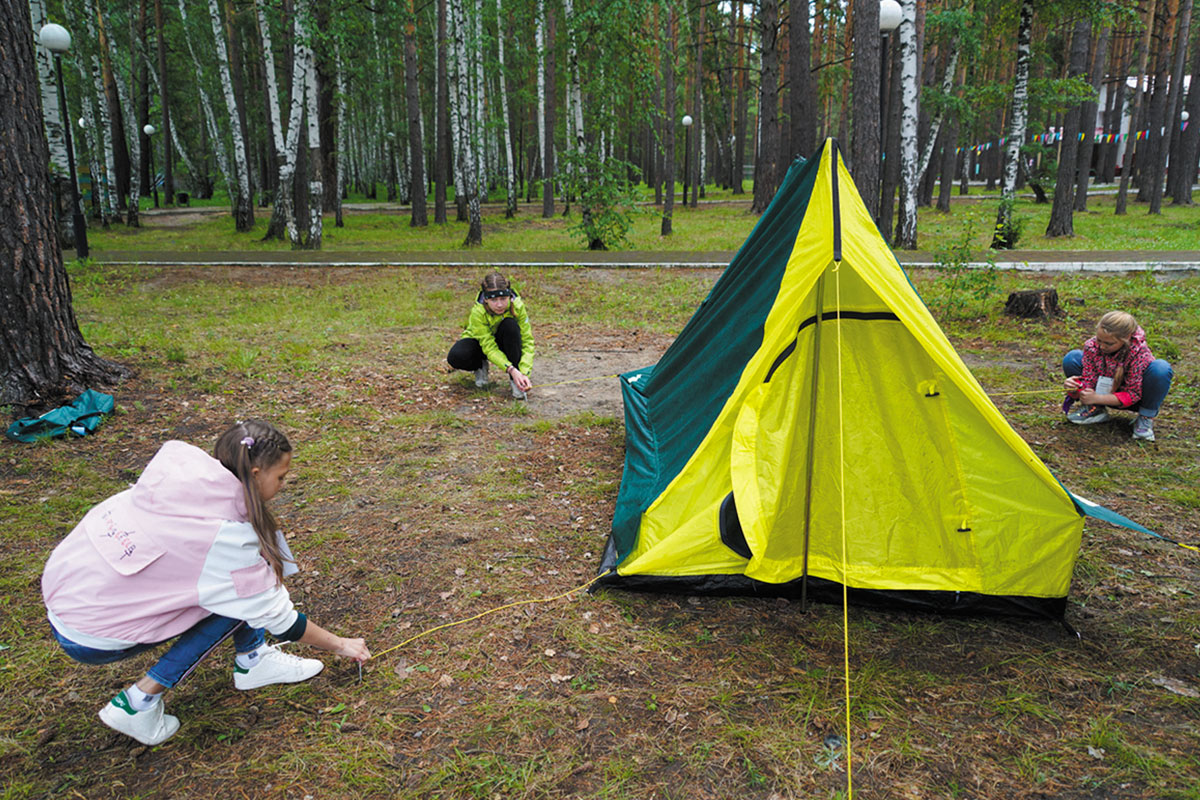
(722, 223)
(417, 500)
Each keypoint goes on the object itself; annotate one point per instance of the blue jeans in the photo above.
(1156, 381)
(190, 648)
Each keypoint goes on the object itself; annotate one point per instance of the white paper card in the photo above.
(1104, 385)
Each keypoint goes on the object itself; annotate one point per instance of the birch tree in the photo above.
(287, 140)
(243, 206)
(546, 104)
(1005, 235)
(906, 225)
(467, 158)
(510, 203)
(316, 188)
(52, 122)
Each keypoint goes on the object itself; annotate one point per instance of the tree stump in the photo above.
(1033, 304)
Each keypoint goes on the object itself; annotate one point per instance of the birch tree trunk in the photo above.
(510, 204)
(165, 104)
(442, 117)
(101, 185)
(416, 145)
(466, 147)
(243, 206)
(539, 37)
(936, 126)
(283, 214)
(316, 188)
(906, 226)
(547, 107)
(52, 122)
(340, 169)
(1004, 237)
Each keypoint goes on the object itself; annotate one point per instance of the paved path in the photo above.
(1027, 260)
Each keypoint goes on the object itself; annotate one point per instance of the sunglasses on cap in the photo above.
(492, 294)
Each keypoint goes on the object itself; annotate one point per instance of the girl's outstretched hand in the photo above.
(523, 383)
(1071, 385)
(355, 649)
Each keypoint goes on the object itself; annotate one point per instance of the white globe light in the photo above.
(54, 37)
(149, 130)
(687, 120)
(890, 15)
(1184, 116)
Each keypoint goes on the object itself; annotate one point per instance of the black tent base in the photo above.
(821, 590)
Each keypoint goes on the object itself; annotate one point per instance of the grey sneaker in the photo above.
(1089, 415)
(481, 376)
(150, 727)
(516, 393)
(1143, 428)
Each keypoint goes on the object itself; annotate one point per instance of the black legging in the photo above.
(467, 354)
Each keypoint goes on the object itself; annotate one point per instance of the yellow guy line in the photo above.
(837, 275)
(491, 611)
(574, 380)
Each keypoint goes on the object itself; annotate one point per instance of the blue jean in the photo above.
(189, 649)
(1156, 381)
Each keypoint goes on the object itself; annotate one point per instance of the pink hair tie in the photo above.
(248, 441)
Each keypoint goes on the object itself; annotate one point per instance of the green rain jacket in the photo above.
(482, 324)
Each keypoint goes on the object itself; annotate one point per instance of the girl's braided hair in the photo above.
(246, 445)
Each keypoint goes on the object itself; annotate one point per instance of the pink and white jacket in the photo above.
(148, 563)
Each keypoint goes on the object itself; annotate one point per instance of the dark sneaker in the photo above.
(1143, 428)
(150, 727)
(1089, 415)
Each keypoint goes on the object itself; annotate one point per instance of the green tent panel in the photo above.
(812, 399)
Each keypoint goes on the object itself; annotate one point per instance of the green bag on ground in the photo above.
(81, 417)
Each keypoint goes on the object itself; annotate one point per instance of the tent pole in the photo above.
(812, 430)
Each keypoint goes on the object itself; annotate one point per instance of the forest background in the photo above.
(585, 105)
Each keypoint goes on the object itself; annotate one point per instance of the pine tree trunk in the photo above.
(1151, 166)
(1004, 237)
(741, 103)
(1170, 119)
(865, 137)
(1189, 142)
(416, 144)
(668, 67)
(801, 92)
(766, 166)
(1062, 212)
(1138, 93)
(129, 116)
(906, 227)
(43, 356)
(1087, 121)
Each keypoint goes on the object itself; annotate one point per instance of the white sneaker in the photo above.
(1143, 428)
(481, 376)
(150, 727)
(517, 393)
(275, 666)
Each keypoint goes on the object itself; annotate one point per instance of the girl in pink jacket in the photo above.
(189, 553)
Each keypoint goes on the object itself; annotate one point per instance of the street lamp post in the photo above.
(56, 39)
(150, 130)
(687, 156)
(890, 15)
